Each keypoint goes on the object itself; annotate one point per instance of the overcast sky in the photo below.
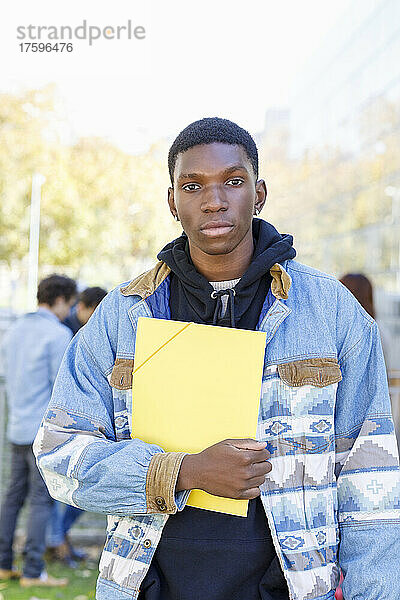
(219, 57)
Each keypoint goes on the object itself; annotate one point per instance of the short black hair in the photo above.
(209, 131)
(92, 296)
(54, 286)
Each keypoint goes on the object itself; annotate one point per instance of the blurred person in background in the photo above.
(88, 300)
(361, 287)
(33, 349)
(64, 515)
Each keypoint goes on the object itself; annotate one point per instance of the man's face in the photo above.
(61, 307)
(215, 194)
(84, 312)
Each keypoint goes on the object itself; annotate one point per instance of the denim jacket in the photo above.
(333, 495)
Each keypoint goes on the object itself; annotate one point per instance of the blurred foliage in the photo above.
(336, 204)
(104, 213)
(102, 210)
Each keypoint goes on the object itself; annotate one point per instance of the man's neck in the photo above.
(223, 267)
(50, 308)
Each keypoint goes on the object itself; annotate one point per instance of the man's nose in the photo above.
(214, 199)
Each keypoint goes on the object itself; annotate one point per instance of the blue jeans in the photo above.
(62, 518)
(26, 482)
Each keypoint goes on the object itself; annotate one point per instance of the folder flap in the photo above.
(161, 346)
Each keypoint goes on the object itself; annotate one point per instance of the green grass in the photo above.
(82, 584)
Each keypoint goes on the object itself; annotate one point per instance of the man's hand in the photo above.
(232, 469)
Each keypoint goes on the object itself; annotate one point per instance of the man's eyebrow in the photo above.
(235, 168)
(226, 171)
(190, 176)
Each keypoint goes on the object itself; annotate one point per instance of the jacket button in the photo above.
(147, 543)
(161, 503)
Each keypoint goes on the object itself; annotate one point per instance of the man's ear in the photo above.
(171, 202)
(261, 195)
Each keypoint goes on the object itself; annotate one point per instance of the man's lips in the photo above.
(215, 228)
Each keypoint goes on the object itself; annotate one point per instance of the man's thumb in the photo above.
(248, 444)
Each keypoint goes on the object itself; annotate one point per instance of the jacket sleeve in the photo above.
(77, 452)
(367, 466)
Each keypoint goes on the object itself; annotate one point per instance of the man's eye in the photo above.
(236, 181)
(191, 187)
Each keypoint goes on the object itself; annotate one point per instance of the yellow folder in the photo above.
(196, 385)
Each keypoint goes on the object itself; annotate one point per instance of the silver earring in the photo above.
(256, 211)
(176, 217)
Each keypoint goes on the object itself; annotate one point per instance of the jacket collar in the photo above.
(146, 284)
(281, 281)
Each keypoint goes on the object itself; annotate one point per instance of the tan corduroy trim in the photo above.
(161, 481)
(311, 371)
(121, 375)
(148, 282)
(281, 282)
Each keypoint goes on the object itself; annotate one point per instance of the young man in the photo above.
(33, 348)
(324, 382)
(80, 314)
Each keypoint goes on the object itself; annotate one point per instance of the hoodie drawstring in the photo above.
(217, 295)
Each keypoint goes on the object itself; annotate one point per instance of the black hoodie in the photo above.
(192, 297)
